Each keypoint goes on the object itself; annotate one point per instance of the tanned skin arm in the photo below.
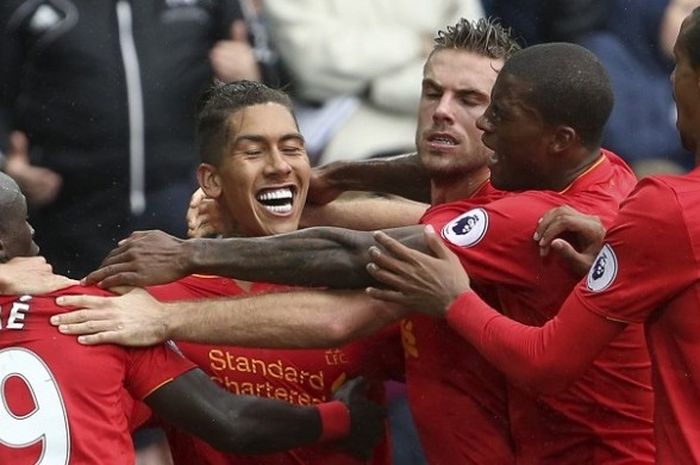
(364, 212)
(402, 175)
(301, 319)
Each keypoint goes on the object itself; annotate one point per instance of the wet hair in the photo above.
(484, 37)
(567, 85)
(690, 39)
(219, 103)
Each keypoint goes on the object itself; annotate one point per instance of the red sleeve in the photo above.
(148, 369)
(542, 359)
(494, 241)
(647, 258)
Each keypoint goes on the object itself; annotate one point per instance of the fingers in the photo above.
(122, 279)
(382, 263)
(105, 337)
(396, 248)
(19, 145)
(435, 243)
(578, 262)
(239, 31)
(386, 295)
(87, 328)
(80, 301)
(102, 277)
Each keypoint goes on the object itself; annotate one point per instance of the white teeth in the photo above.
(444, 140)
(277, 194)
(279, 209)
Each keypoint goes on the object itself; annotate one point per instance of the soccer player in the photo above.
(647, 271)
(549, 105)
(62, 403)
(255, 166)
(458, 80)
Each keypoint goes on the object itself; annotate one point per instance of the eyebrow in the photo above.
(466, 92)
(261, 139)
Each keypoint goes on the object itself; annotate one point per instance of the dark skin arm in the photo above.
(254, 425)
(330, 257)
(402, 175)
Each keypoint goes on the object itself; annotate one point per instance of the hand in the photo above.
(134, 319)
(234, 60)
(145, 258)
(30, 275)
(39, 185)
(321, 189)
(587, 232)
(421, 282)
(366, 419)
(203, 216)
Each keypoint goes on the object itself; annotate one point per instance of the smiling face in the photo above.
(263, 177)
(518, 136)
(455, 91)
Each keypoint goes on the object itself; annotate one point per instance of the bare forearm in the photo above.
(304, 319)
(365, 213)
(236, 424)
(402, 175)
(329, 257)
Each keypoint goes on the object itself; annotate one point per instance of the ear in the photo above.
(562, 139)
(3, 252)
(209, 180)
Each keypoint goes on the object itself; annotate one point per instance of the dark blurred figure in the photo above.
(96, 110)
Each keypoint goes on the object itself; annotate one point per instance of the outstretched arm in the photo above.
(542, 359)
(330, 257)
(402, 175)
(365, 213)
(302, 319)
(250, 425)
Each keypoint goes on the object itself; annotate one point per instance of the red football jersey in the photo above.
(604, 418)
(297, 376)
(649, 271)
(64, 403)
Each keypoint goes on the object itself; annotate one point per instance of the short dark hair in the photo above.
(567, 85)
(690, 39)
(485, 36)
(219, 102)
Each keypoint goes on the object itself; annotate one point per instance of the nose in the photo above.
(483, 122)
(444, 112)
(277, 164)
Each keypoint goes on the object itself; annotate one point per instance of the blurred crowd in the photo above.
(98, 97)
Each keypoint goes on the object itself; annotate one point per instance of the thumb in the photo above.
(239, 31)
(19, 145)
(568, 253)
(435, 243)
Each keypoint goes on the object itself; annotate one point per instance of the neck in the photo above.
(587, 158)
(444, 190)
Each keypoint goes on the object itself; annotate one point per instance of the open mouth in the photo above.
(442, 139)
(279, 200)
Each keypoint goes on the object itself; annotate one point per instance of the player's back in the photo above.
(62, 403)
